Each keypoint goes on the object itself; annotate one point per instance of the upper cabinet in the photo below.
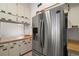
(3, 6)
(12, 8)
(20, 12)
(20, 9)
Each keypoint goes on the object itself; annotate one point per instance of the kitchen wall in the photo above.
(73, 20)
(73, 15)
(11, 29)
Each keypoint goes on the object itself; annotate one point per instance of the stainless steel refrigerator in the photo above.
(49, 33)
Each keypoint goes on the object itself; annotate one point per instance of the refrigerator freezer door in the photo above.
(36, 34)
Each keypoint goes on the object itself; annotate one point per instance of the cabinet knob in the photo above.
(4, 49)
(1, 45)
(25, 43)
(28, 42)
(19, 45)
(14, 43)
(2, 11)
(10, 13)
(11, 47)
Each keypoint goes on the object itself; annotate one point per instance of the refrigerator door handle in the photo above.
(40, 34)
(43, 29)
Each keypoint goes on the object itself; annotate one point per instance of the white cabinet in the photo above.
(20, 9)
(3, 15)
(3, 6)
(21, 47)
(29, 45)
(25, 46)
(12, 8)
(3, 49)
(13, 49)
(11, 17)
(20, 19)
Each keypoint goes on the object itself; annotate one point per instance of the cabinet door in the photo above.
(4, 50)
(12, 7)
(29, 45)
(13, 49)
(21, 47)
(3, 6)
(25, 45)
(1, 47)
(11, 17)
(20, 9)
(20, 19)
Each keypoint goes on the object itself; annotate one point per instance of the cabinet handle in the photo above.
(11, 47)
(25, 43)
(26, 18)
(4, 49)
(22, 16)
(2, 11)
(3, 19)
(10, 13)
(19, 45)
(1, 45)
(9, 19)
(14, 43)
(28, 42)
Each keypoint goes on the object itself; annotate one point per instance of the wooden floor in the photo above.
(28, 54)
(73, 47)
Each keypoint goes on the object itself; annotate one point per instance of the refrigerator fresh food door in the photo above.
(57, 27)
(45, 32)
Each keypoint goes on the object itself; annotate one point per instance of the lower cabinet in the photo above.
(23, 46)
(4, 50)
(15, 48)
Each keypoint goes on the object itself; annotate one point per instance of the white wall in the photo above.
(73, 15)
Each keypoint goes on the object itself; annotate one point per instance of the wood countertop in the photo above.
(73, 46)
(13, 39)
